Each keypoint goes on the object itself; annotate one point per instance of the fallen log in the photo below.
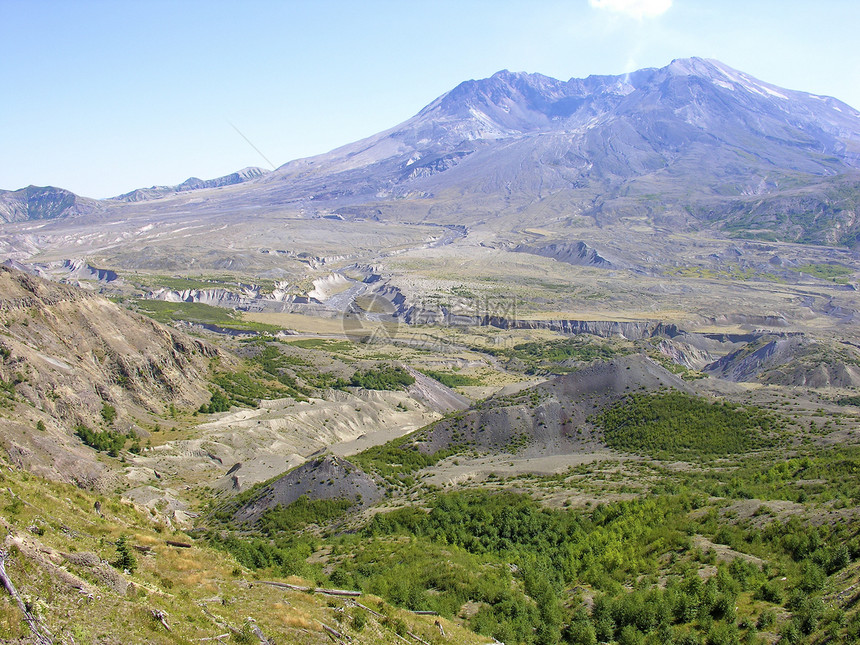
(219, 621)
(334, 632)
(328, 592)
(161, 617)
(423, 642)
(237, 632)
(368, 609)
(181, 545)
(32, 621)
(257, 631)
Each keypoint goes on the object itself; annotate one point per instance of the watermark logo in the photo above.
(371, 318)
(379, 318)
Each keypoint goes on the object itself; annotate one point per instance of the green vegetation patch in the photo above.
(384, 377)
(645, 570)
(277, 541)
(108, 441)
(219, 402)
(725, 272)
(248, 389)
(831, 478)
(452, 379)
(677, 425)
(260, 382)
(423, 575)
(301, 513)
(542, 357)
(527, 556)
(324, 344)
(849, 400)
(396, 460)
(287, 369)
(197, 312)
(837, 273)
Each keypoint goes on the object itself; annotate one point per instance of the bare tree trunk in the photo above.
(223, 623)
(333, 632)
(42, 639)
(161, 617)
(328, 592)
(257, 631)
(366, 608)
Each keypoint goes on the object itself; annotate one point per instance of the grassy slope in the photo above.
(45, 520)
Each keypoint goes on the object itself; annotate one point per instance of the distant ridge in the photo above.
(192, 183)
(42, 202)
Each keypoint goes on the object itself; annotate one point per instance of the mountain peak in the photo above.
(41, 202)
(695, 66)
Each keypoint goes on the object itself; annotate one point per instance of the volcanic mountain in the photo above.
(719, 147)
(713, 142)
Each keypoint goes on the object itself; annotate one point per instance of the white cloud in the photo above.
(634, 8)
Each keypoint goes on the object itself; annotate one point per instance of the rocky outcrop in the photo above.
(684, 354)
(325, 287)
(217, 297)
(822, 374)
(773, 320)
(82, 270)
(748, 362)
(576, 253)
(792, 360)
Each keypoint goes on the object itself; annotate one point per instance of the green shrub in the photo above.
(678, 425)
(108, 413)
(304, 511)
(395, 460)
(105, 441)
(766, 620)
(125, 560)
(451, 379)
(382, 378)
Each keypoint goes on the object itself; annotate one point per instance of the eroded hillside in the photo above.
(72, 359)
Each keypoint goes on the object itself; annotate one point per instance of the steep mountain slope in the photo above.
(624, 125)
(702, 135)
(69, 358)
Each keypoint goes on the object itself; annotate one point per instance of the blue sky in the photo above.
(105, 97)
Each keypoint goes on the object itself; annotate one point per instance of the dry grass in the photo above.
(176, 581)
